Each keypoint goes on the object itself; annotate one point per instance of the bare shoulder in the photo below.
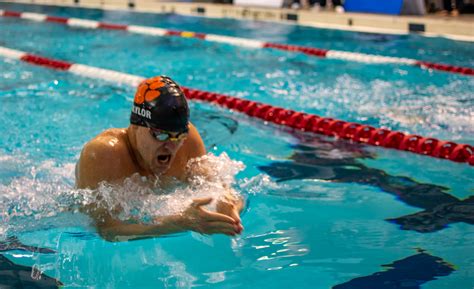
(194, 143)
(104, 158)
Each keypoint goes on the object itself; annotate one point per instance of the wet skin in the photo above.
(117, 154)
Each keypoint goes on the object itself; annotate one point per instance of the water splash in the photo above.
(47, 191)
(140, 198)
(260, 184)
(42, 193)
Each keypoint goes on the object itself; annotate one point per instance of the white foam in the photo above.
(139, 198)
(39, 194)
(47, 191)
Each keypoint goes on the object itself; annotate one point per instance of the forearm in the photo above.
(124, 232)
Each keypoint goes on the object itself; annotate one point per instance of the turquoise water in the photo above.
(317, 208)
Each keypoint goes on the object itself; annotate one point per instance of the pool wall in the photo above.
(461, 28)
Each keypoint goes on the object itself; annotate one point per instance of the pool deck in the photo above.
(456, 28)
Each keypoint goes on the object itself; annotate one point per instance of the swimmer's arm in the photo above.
(194, 218)
(114, 230)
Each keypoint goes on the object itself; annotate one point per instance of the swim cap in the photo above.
(159, 103)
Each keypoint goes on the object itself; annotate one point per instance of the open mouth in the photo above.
(164, 159)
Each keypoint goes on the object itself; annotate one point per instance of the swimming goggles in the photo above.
(163, 135)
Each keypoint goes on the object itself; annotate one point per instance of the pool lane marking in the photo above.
(82, 23)
(33, 16)
(106, 74)
(78, 69)
(356, 132)
(11, 53)
(243, 42)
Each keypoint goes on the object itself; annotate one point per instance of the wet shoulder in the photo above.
(108, 146)
(194, 144)
(104, 158)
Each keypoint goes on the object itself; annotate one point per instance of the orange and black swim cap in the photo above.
(160, 103)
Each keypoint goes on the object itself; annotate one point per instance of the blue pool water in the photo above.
(318, 209)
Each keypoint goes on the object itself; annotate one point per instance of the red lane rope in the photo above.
(338, 128)
(11, 14)
(305, 122)
(112, 26)
(42, 61)
(306, 50)
(56, 19)
(444, 67)
(312, 51)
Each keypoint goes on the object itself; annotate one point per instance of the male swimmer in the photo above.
(158, 143)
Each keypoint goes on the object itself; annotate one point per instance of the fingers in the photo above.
(229, 209)
(224, 232)
(201, 202)
(217, 217)
(227, 221)
(220, 228)
(234, 214)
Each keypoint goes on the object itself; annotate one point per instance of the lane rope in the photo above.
(242, 42)
(356, 132)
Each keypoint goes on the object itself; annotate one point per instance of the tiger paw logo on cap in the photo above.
(148, 90)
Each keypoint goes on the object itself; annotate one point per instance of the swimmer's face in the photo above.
(158, 148)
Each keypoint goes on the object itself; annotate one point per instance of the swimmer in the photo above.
(158, 143)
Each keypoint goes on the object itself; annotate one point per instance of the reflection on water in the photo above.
(408, 273)
(13, 244)
(337, 161)
(223, 127)
(17, 276)
(277, 245)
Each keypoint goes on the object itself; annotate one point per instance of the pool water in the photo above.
(321, 213)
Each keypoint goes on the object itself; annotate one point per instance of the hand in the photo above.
(231, 208)
(200, 220)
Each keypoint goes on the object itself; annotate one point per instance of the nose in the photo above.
(171, 145)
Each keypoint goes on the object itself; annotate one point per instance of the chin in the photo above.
(159, 170)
